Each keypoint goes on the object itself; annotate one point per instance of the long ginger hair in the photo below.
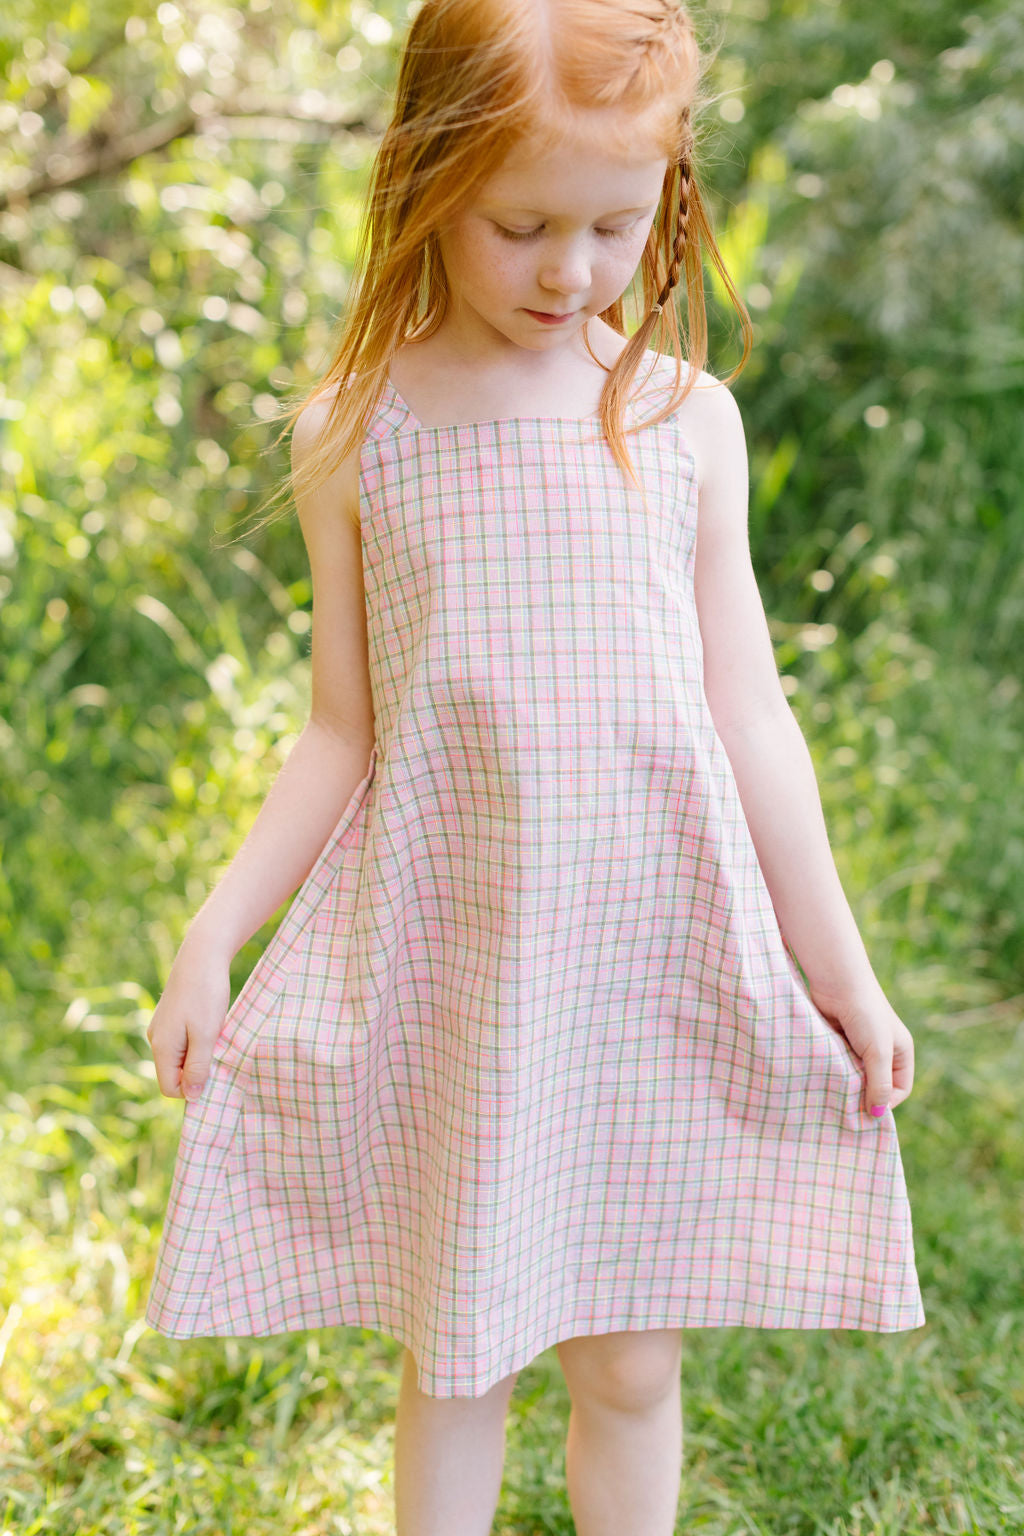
(475, 78)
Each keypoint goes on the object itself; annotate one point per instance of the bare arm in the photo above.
(771, 763)
(331, 755)
(316, 782)
(314, 785)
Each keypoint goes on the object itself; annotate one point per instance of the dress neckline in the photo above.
(488, 421)
(651, 383)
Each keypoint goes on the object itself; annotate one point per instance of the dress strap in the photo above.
(655, 391)
(391, 415)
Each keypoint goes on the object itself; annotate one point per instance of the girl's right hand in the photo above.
(189, 1017)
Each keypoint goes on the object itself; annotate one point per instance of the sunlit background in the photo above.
(180, 192)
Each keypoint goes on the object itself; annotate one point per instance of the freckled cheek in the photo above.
(620, 270)
(505, 269)
(488, 265)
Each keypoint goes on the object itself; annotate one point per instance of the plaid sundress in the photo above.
(528, 1058)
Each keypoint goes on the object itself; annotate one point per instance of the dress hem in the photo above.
(435, 1382)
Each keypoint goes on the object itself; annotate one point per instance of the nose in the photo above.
(567, 270)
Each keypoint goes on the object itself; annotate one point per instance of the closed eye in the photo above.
(531, 234)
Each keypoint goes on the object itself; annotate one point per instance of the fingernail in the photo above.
(878, 1109)
(194, 1090)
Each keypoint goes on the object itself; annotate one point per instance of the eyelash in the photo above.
(530, 234)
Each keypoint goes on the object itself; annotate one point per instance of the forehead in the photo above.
(581, 171)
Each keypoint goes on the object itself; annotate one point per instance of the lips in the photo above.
(548, 317)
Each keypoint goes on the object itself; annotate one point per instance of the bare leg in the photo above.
(624, 1451)
(449, 1459)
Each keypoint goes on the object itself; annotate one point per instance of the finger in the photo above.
(195, 1072)
(903, 1070)
(168, 1071)
(878, 1086)
(169, 1086)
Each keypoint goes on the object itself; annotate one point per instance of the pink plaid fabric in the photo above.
(528, 1058)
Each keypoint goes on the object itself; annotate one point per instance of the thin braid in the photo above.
(682, 214)
(682, 221)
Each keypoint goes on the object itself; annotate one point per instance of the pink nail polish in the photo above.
(878, 1109)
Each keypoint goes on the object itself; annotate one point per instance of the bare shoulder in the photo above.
(317, 410)
(314, 415)
(713, 427)
(327, 501)
(312, 448)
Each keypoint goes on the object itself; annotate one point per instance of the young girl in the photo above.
(530, 1061)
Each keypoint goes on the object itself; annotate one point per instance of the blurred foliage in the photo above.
(153, 307)
(879, 240)
(180, 188)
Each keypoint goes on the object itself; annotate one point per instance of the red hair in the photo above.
(477, 77)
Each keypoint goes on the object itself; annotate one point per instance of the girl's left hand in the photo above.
(879, 1037)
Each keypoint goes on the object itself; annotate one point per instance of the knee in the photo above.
(628, 1372)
